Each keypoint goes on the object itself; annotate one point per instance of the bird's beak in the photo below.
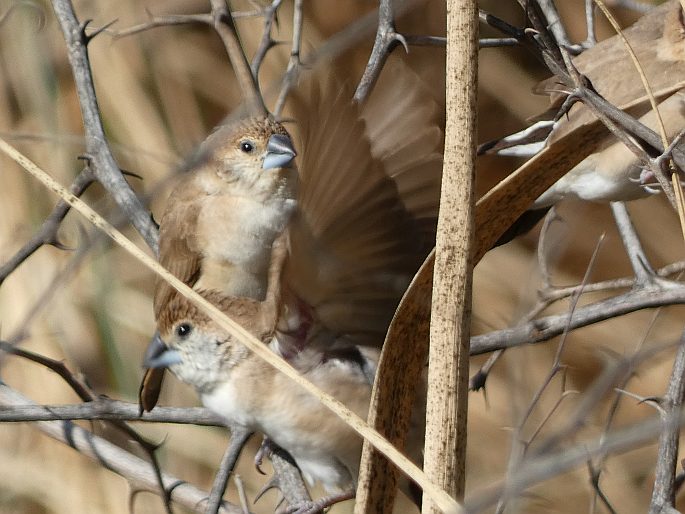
(159, 355)
(279, 152)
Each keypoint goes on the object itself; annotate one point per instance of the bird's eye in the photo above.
(183, 330)
(246, 146)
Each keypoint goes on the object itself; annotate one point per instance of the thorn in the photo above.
(399, 38)
(152, 218)
(85, 157)
(86, 38)
(54, 241)
(130, 174)
(101, 30)
(271, 484)
(82, 29)
(281, 500)
(477, 381)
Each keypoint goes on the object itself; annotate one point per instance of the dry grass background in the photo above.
(160, 92)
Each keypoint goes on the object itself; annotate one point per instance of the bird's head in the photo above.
(193, 346)
(257, 153)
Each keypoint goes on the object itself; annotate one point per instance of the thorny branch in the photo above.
(137, 471)
(543, 329)
(85, 394)
(663, 495)
(102, 163)
(47, 234)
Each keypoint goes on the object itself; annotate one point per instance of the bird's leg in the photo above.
(316, 506)
(265, 449)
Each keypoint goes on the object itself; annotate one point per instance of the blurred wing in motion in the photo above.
(367, 190)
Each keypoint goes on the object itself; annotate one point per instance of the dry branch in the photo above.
(102, 162)
(138, 472)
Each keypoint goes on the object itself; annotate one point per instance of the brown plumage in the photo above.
(222, 219)
(363, 224)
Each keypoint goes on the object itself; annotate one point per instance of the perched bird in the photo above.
(242, 387)
(233, 200)
(613, 173)
(369, 182)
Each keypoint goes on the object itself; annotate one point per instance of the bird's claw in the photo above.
(265, 449)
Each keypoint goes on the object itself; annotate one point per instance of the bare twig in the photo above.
(294, 62)
(554, 22)
(663, 495)
(644, 273)
(103, 164)
(225, 28)
(289, 479)
(47, 234)
(164, 21)
(267, 41)
(84, 393)
(135, 470)
(239, 437)
(106, 409)
(544, 465)
(520, 447)
(386, 41)
(543, 329)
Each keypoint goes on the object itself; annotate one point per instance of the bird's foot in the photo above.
(648, 181)
(265, 450)
(316, 506)
(647, 177)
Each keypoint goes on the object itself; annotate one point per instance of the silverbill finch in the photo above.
(233, 199)
(367, 198)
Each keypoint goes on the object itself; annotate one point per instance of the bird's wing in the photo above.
(353, 244)
(178, 254)
(178, 250)
(401, 118)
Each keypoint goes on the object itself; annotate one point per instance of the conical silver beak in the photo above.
(159, 355)
(279, 152)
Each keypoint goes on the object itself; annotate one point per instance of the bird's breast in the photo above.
(241, 230)
(229, 400)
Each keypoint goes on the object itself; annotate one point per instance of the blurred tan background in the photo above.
(160, 92)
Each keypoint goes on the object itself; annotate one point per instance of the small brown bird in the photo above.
(367, 200)
(246, 391)
(233, 200)
(614, 172)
